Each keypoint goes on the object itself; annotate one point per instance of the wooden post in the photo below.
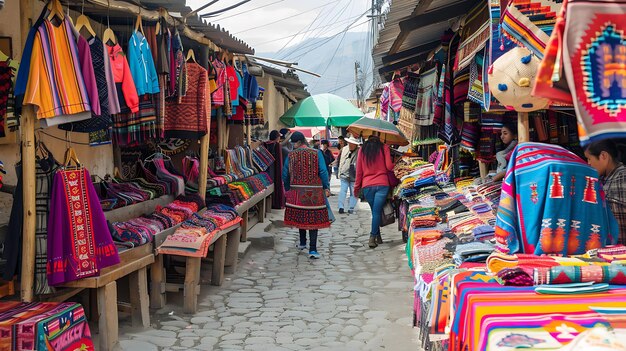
(522, 127)
(27, 122)
(157, 283)
(484, 169)
(139, 299)
(232, 250)
(192, 284)
(204, 163)
(219, 258)
(107, 321)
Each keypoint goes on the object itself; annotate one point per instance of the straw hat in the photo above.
(511, 80)
(353, 140)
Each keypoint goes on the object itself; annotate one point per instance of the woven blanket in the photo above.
(425, 100)
(552, 203)
(529, 23)
(474, 35)
(595, 68)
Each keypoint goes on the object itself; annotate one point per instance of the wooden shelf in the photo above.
(137, 210)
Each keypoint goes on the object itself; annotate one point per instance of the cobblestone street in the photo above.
(353, 298)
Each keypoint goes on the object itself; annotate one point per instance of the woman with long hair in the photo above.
(605, 157)
(372, 168)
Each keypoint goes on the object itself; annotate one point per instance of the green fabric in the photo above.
(320, 111)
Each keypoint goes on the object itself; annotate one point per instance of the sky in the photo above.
(269, 25)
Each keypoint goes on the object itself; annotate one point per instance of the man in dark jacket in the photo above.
(328, 156)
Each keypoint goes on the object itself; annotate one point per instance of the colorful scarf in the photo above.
(552, 203)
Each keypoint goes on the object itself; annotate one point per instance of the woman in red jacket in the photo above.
(372, 166)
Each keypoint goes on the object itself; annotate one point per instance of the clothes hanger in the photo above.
(83, 22)
(139, 23)
(56, 10)
(70, 154)
(191, 55)
(108, 35)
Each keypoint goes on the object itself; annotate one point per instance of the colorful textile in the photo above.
(189, 118)
(55, 83)
(425, 100)
(305, 178)
(126, 90)
(80, 244)
(396, 91)
(615, 188)
(141, 65)
(43, 326)
(552, 203)
(474, 34)
(529, 23)
(274, 149)
(99, 119)
(591, 61)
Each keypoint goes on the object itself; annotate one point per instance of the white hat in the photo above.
(353, 140)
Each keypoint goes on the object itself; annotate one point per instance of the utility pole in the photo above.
(359, 79)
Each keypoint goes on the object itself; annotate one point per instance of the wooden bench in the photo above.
(133, 263)
(225, 253)
(257, 199)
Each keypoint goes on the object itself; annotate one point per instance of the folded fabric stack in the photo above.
(472, 252)
(140, 231)
(196, 234)
(44, 326)
(235, 193)
(120, 193)
(262, 158)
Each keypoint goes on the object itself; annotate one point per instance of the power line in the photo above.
(299, 33)
(283, 19)
(248, 11)
(307, 28)
(328, 20)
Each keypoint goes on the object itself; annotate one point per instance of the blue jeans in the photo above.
(331, 216)
(345, 186)
(376, 197)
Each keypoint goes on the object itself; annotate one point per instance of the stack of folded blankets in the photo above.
(196, 234)
(141, 230)
(235, 193)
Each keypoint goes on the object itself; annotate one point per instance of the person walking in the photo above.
(328, 156)
(347, 173)
(372, 183)
(306, 181)
(341, 143)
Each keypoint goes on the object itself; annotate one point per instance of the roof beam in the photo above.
(411, 52)
(404, 63)
(421, 7)
(440, 15)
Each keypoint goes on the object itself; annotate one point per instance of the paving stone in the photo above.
(233, 336)
(259, 340)
(130, 345)
(350, 330)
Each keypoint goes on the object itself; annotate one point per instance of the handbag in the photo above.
(388, 216)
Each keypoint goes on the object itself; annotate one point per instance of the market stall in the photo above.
(133, 105)
(511, 241)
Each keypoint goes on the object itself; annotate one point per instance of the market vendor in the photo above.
(605, 157)
(508, 135)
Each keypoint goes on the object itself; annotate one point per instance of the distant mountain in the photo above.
(332, 58)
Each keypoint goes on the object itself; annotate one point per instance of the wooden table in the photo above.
(244, 207)
(133, 262)
(225, 253)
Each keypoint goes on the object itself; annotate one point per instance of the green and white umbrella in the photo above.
(386, 131)
(321, 110)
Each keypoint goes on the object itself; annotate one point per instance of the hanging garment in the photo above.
(142, 65)
(132, 129)
(305, 198)
(103, 119)
(162, 173)
(396, 91)
(529, 23)
(80, 244)
(448, 131)
(592, 48)
(384, 102)
(250, 85)
(275, 172)
(425, 101)
(55, 84)
(406, 123)
(188, 119)
(124, 83)
(552, 203)
(178, 68)
(89, 77)
(473, 35)
(99, 51)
